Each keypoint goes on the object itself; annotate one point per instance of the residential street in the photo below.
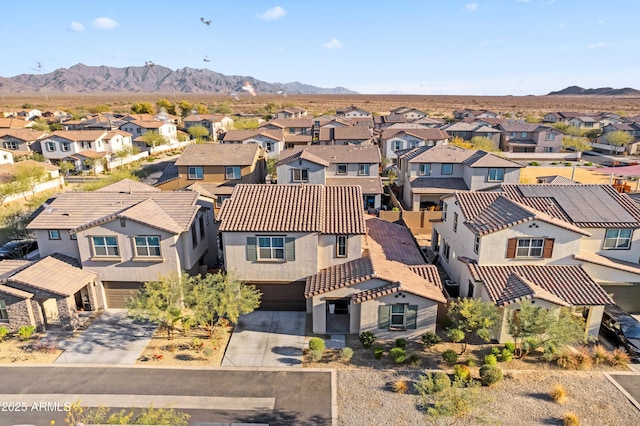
(209, 396)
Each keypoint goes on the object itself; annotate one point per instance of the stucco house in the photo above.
(347, 135)
(215, 124)
(352, 112)
(335, 165)
(290, 112)
(21, 142)
(529, 137)
(468, 131)
(409, 113)
(128, 234)
(395, 139)
(632, 128)
(271, 140)
(429, 172)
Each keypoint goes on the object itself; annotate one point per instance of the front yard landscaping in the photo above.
(36, 349)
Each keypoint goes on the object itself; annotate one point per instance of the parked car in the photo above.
(17, 249)
(622, 329)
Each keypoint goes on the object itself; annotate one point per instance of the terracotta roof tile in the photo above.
(54, 275)
(128, 186)
(424, 133)
(213, 154)
(332, 154)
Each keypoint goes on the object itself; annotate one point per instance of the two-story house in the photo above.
(459, 114)
(138, 128)
(352, 112)
(395, 139)
(346, 135)
(296, 131)
(468, 131)
(558, 245)
(128, 234)
(215, 124)
(585, 122)
(427, 173)
(529, 137)
(270, 140)
(632, 128)
(214, 169)
(559, 117)
(21, 142)
(335, 165)
(409, 113)
(290, 112)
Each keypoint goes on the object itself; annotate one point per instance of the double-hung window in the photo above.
(105, 246)
(51, 146)
(271, 248)
(65, 146)
(11, 145)
(341, 169)
(446, 169)
(300, 175)
(398, 317)
(147, 245)
(397, 145)
(530, 247)
(496, 175)
(476, 244)
(363, 170)
(4, 315)
(341, 246)
(195, 173)
(232, 172)
(425, 169)
(446, 249)
(455, 222)
(617, 239)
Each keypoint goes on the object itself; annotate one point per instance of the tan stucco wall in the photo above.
(327, 250)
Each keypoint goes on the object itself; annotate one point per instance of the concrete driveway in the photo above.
(267, 339)
(113, 338)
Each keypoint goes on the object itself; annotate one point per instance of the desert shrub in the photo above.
(619, 358)
(506, 355)
(315, 356)
(400, 386)
(534, 163)
(490, 374)
(588, 163)
(26, 331)
(567, 163)
(377, 352)
(461, 372)
(415, 360)
(554, 163)
(398, 355)
(450, 356)
(367, 338)
(3, 333)
(495, 351)
(601, 355)
(208, 351)
(490, 360)
(471, 362)
(431, 383)
(197, 344)
(510, 346)
(346, 354)
(430, 339)
(570, 419)
(559, 394)
(401, 343)
(567, 360)
(583, 357)
(316, 344)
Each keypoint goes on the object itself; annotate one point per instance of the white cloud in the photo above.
(597, 45)
(76, 26)
(471, 7)
(103, 23)
(334, 44)
(273, 13)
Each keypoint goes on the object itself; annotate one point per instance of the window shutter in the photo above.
(384, 312)
(548, 248)
(511, 248)
(412, 316)
(252, 250)
(290, 248)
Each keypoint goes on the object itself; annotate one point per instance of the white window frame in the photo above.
(341, 245)
(397, 145)
(616, 239)
(446, 249)
(233, 175)
(11, 145)
(424, 169)
(551, 136)
(496, 178)
(54, 234)
(302, 175)
(476, 244)
(364, 169)
(192, 172)
(4, 313)
(273, 248)
(147, 245)
(400, 314)
(444, 212)
(106, 245)
(341, 165)
(51, 146)
(442, 166)
(65, 146)
(455, 221)
(525, 248)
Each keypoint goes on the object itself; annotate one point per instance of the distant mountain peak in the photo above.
(81, 78)
(602, 91)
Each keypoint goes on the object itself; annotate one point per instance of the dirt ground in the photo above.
(33, 351)
(580, 174)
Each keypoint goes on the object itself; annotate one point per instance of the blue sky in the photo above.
(478, 47)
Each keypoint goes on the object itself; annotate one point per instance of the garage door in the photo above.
(118, 292)
(282, 297)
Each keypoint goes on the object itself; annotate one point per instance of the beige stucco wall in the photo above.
(65, 245)
(594, 244)
(327, 250)
(604, 274)
(316, 172)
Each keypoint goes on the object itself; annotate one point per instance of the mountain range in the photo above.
(603, 91)
(151, 78)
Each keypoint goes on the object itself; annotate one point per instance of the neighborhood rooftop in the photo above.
(210, 154)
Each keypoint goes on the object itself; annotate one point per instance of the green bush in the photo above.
(398, 355)
(506, 355)
(431, 383)
(3, 333)
(26, 331)
(510, 346)
(415, 360)
(462, 372)
(367, 338)
(401, 343)
(346, 354)
(490, 374)
(588, 163)
(495, 351)
(490, 360)
(377, 352)
(450, 356)
(316, 344)
(430, 339)
(534, 163)
(471, 362)
(567, 163)
(315, 356)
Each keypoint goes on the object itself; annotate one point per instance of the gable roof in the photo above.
(481, 158)
(556, 180)
(79, 135)
(294, 208)
(345, 133)
(286, 123)
(510, 284)
(424, 133)
(26, 135)
(332, 154)
(205, 117)
(213, 154)
(128, 186)
(243, 135)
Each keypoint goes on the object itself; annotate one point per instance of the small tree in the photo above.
(153, 138)
(28, 175)
(483, 143)
(578, 143)
(271, 167)
(617, 138)
(185, 108)
(142, 108)
(65, 167)
(167, 105)
(473, 316)
(7, 189)
(223, 108)
(455, 403)
(199, 132)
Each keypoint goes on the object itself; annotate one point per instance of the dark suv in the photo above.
(17, 249)
(622, 329)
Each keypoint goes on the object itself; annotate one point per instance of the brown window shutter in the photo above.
(511, 248)
(548, 248)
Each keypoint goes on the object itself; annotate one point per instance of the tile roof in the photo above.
(556, 180)
(15, 292)
(212, 190)
(586, 206)
(288, 156)
(345, 133)
(75, 210)
(332, 154)
(569, 283)
(596, 259)
(79, 135)
(369, 185)
(90, 153)
(202, 117)
(287, 123)
(438, 154)
(128, 186)
(294, 208)
(424, 133)
(481, 158)
(55, 275)
(298, 138)
(26, 135)
(214, 154)
(9, 267)
(432, 185)
(523, 127)
(148, 124)
(243, 135)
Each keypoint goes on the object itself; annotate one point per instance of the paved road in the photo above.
(292, 397)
